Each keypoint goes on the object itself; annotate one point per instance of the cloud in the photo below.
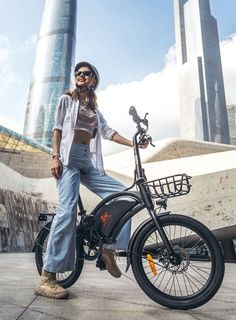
(156, 94)
(9, 56)
(8, 79)
(12, 83)
(228, 54)
(5, 51)
(8, 76)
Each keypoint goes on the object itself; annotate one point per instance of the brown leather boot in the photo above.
(107, 257)
(49, 288)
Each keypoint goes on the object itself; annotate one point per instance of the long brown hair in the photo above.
(90, 96)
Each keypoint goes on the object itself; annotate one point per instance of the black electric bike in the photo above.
(175, 259)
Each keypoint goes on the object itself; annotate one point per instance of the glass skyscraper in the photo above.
(52, 68)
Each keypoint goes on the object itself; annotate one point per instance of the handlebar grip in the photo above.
(133, 112)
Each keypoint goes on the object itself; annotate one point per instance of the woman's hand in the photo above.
(56, 168)
(144, 146)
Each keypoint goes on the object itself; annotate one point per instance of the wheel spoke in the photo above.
(196, 270)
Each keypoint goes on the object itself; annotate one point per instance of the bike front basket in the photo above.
(169, 187)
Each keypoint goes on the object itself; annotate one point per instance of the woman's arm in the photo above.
(108, 133)
(56, 142)
(121, 140)
(56, 164)
(60, 111)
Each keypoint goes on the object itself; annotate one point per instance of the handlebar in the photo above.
(142, 129)
(133, 112)
(140, 138)
(137, 119)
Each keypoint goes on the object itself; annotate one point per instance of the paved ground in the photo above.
(97, 296)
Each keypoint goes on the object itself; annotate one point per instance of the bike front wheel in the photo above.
(190, 278)
(65, 279)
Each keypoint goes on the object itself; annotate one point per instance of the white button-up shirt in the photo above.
(65, 120)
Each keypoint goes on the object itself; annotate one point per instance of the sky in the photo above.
(131, 42)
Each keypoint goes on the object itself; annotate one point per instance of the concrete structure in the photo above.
(213, 195)
(52, 68)
(20, 197)
(231, 112)
(21, 201)
(98, 296)
(212, 200)
(202, 97)
(24, 155)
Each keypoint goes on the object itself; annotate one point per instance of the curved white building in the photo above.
(203, 114)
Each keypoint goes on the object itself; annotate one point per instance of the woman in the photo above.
(76, 159)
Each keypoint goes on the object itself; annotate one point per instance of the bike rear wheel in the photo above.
(66, 279)
(193, 277)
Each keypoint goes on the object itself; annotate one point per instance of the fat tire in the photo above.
(74, 275)
(170, 301)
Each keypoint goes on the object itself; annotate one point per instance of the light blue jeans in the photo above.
(60, 253)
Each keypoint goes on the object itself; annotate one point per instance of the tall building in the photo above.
(231, 111)
(52, 68)
(203, 112)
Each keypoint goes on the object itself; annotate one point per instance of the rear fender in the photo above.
(113, 209)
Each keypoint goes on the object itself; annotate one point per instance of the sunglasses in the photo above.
(83, 73)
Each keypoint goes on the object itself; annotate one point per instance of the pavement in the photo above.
(98, 296)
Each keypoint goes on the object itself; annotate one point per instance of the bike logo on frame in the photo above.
(105, 217)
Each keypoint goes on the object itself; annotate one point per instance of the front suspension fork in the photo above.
(162, 233)
(149, 205)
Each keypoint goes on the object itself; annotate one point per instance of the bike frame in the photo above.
(140, 174)
(183, 284)
(142, 200)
